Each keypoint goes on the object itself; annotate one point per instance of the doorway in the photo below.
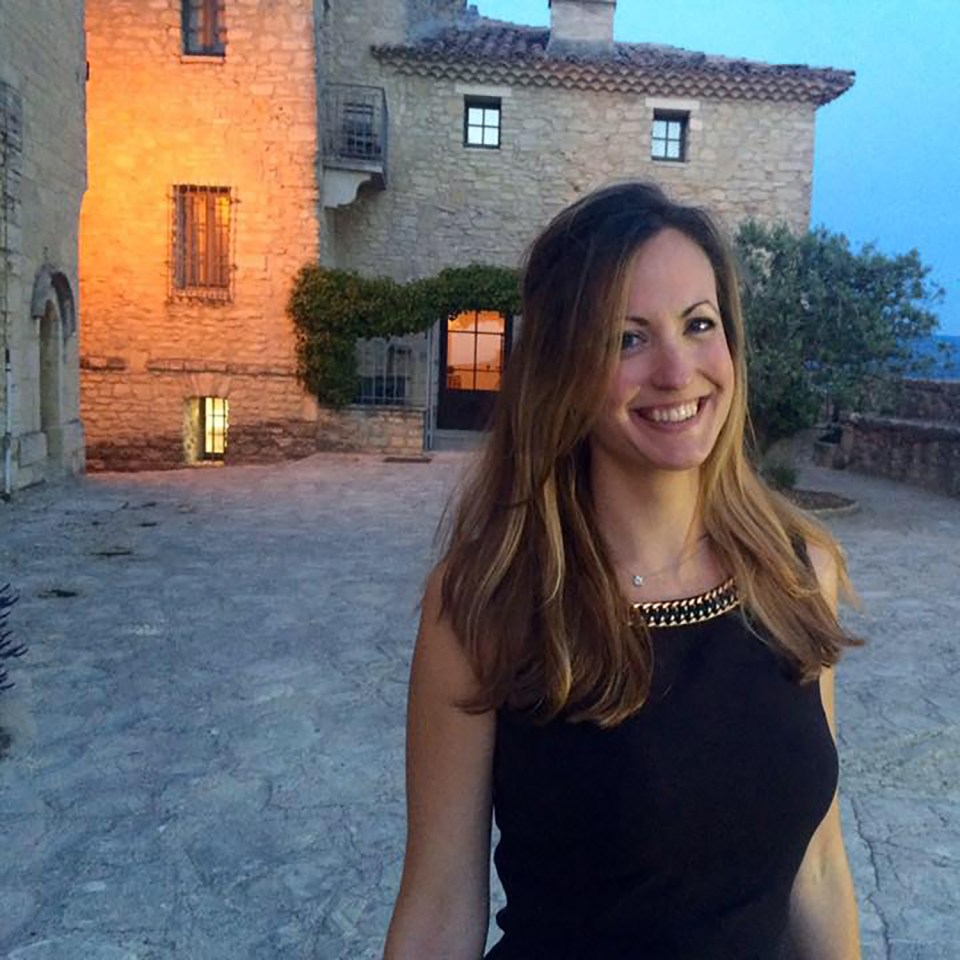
(473, 350)
(51, 368)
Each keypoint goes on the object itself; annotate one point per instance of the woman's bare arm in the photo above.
(823, 908)
(442, 909)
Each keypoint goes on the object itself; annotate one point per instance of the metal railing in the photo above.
(204, 28)
(391, 372)
(354, 126)
(202, 242)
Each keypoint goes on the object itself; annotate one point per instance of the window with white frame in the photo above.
(668, 139)
(481, 122)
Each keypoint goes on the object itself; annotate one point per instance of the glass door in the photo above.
(472, 355)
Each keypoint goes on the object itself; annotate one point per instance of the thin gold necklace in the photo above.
(638, 579)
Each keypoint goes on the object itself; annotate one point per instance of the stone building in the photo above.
(441, 139)
(42, 180)
(202, 206)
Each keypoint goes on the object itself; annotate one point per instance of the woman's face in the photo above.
(671, 392)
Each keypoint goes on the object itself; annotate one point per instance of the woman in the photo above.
(627, 649)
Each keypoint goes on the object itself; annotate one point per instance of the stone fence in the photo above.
(920, 444)
(933, 400)
(392, 431)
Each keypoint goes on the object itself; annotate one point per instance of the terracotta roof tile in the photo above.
(495, 51)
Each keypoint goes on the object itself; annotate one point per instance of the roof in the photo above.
(493, 51)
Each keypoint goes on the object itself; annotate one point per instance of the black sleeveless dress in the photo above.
(677, 834)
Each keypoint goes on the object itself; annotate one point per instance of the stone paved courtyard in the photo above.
(207, 730)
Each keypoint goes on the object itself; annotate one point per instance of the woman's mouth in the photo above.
(676, 413)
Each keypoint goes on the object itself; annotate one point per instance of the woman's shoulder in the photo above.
(438, 647)
(432, 599)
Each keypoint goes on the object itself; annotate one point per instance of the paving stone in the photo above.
(207, 732)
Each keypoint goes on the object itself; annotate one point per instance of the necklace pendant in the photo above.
(637, 580)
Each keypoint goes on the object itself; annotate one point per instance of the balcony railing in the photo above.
(354, 128)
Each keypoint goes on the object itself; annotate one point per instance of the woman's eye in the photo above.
(631, 339)
(701, 324)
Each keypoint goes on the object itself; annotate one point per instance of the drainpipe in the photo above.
(8, 423)
(8, 144)
(7, 365)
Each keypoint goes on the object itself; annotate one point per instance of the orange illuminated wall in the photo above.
(201, 207)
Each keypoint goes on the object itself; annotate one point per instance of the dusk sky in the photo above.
(887, 167)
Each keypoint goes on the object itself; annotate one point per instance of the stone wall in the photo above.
(144, 414)
(581, 21)
(425, 16)
(348, 28)
(245, 121)
(937, 400)
(449, 204)
(393, 431)
(42, 180)
(920, 445)
(924, 453)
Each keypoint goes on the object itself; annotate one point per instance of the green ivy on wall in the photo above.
(333, 309)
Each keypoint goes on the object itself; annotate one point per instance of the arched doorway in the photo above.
(51, 373)
(53, 308)
(473, 350)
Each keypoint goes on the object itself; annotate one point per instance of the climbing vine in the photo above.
(333, 309)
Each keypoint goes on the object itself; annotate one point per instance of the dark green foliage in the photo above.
(8, 648)
(825, 325)
(333, 309)
(780, 475)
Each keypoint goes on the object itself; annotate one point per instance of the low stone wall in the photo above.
(392, 431)
(922, 452)
(935, 400)
(918, 444)
(139, 420)
(143, 420)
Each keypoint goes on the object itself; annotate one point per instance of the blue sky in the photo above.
(887, 167)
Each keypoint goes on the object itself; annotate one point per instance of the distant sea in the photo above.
(946, 364)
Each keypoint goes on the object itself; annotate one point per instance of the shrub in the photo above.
(333, 309)
(8, 649)
(780, 475)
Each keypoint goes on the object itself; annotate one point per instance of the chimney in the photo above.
(581, 25)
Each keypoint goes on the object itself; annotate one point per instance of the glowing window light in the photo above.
(214, 419)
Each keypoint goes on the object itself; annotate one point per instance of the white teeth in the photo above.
(672, 414)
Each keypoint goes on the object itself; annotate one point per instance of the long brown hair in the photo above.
(528, 583)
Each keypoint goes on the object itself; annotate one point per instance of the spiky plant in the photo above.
(8, 648)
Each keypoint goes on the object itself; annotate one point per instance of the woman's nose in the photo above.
(673, 365)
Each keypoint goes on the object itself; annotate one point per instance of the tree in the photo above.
(827, 325)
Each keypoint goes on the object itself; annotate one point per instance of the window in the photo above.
(204, 27)
(360, 139)
(213, 428)
(386, 369)
(201, 242)
(669, 138)
(475, 350)
(481, 122)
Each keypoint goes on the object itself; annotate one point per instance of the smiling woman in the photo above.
(673, 386)
(626, 652)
